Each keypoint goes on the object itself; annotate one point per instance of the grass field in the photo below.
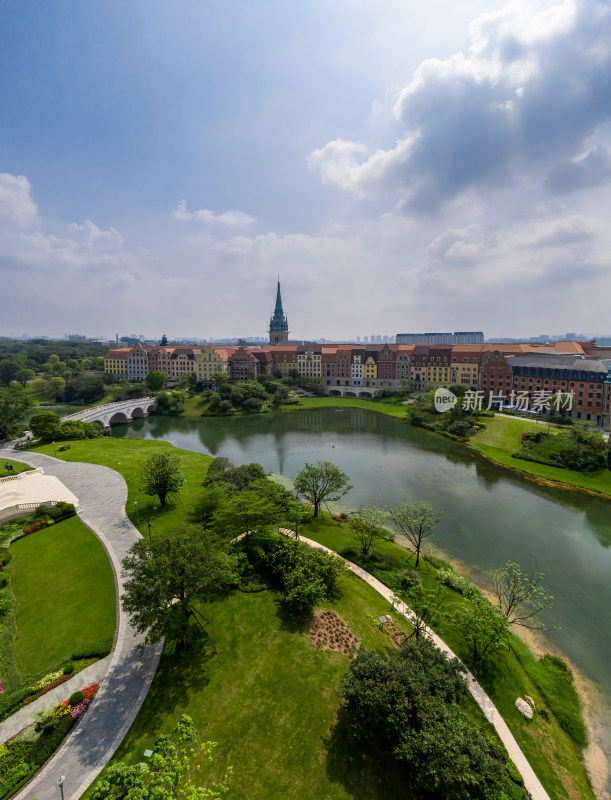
(64, 592)
(551, 752)
(502, 438)
(390, 407)
(16, 465)
(125, 456)
(271, 700)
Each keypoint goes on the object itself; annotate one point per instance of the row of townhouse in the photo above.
(496, 370)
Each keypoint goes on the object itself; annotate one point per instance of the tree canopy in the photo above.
(165, 577)
(520, 597)
(166, 775)
(161, 475)
(367, 524)
(14, 402)
(416, 521)
(322, 482)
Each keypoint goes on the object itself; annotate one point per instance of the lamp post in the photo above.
(60, 783)
(54, 453)
(137, 512)
(149, 524)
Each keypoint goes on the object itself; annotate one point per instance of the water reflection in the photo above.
(492, 515)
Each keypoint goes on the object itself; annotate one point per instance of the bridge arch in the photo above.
(119, 418)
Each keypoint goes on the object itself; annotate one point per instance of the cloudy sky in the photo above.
(403, 166)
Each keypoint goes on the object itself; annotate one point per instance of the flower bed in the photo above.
(23, 754)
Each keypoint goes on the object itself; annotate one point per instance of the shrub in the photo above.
(76, 698)
(35, 526)
(97, 649)
(464, 586)
(69, 668)
(409, 579)
(61, 511)
(5, 556)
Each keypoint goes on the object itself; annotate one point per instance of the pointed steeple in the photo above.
(278, 323)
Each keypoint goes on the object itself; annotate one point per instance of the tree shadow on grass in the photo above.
(291, 621)
(366, 769)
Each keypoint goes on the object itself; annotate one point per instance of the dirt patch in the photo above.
(330, 632)
(397, 636)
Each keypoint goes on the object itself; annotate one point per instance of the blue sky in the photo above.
(403, 166)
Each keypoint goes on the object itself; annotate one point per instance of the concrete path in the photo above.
(532, 783)
(25, 716)
(102, 494)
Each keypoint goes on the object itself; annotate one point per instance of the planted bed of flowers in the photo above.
(23, 755)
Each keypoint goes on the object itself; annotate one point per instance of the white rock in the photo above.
(524, 708)
(529, 700)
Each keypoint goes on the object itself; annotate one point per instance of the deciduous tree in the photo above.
(46, 425)
(484, 627)
(14, 402)
(167, 575)
(416, 521)
(521, 597)
(322, 482)
(155, 380)
(167, 773)
(161, 475)
(367, 524)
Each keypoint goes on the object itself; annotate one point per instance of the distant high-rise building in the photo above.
(278, 323)
(458, 337)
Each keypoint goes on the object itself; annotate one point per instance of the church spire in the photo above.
(278, 323)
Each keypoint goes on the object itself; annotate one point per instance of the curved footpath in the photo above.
(532, 783)
(102, 494)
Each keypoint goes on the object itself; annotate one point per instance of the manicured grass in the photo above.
(390, 408)
(551, 752)
(270, 698)
(125, 456)
(194, 407)
(502, 438)
(16, 465)
(64, 593)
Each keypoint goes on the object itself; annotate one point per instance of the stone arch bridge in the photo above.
(116, 413)
(366, 392)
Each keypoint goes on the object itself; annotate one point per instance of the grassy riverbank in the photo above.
(514, 672)
(502, 437)
(552, 753)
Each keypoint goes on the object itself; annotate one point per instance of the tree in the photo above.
(57, 387)
(14, 402)
(321, 482)
(10, 366)
(85, 388)
(426, 605)
(245, 513)
(165, 577)
(46, 425)
(166, 775)
(161, 475)
(561, 402)
(367, 524)
(520, 597)
(25, 375)
(484, 627)
(155, 380)
(207, 503)
(416, 521)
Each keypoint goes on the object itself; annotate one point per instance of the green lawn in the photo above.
(17, 468)
(551, 752)
(502, 438)
(125, 456)
(64, 592)
(391, 408)
(271, 700)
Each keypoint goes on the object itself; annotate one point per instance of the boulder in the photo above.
(524, 708)
(529, 700)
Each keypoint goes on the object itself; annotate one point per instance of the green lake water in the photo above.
(492, 516)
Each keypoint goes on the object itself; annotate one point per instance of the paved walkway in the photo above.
(25, 716)
(102, 494)
(532, 783)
